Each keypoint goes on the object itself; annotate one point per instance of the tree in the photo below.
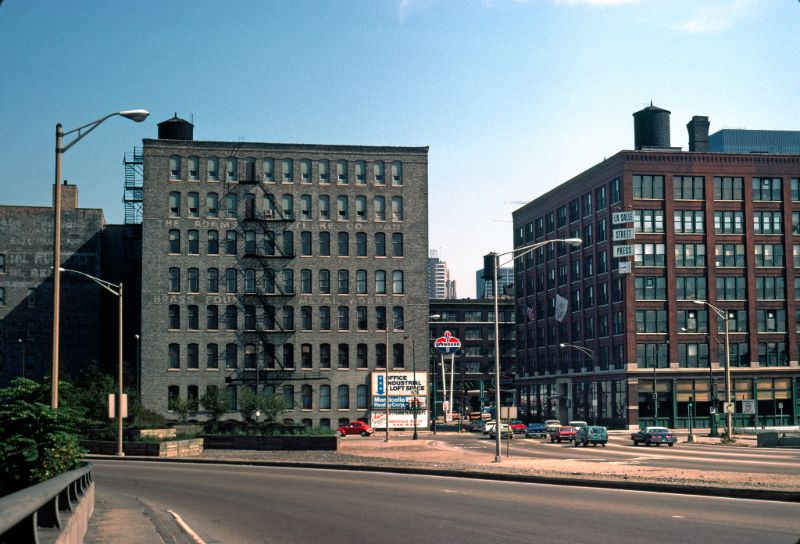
(269, 406)
(214, 403)
(182, 407)
(36, 442)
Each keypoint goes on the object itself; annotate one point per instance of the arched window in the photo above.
(343, 397)
(174, 167)
(325, 397)
(288, 170)
(231, 169)
(194, 168)
(341, 171)
(269, 170)
(361, 397)
(378, 170)
(397, 173)
(306, 397)
(397, 208)
(213, 242)
(174, 316)
(213, 169)
(174, 204)
(398, 287)
(212, 204)
(379, 204)
(174, 356)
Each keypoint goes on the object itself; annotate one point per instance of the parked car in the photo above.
(536, 430)
(564, 433)
(356, 427)
(578, 423)
(505, 429)
(552, 424)
(591, 434)
(488, 426)
(518, 427)
(478, 425)
(654, 435)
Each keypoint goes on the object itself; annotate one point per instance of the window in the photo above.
(361, 282)
(288, 243)
(729, 255)
(288, 356)
(193, 165)
(231, 205)
(213, 280)
(306, 207)
(398, 287)
(769, 255)
(602, 231)
(693, 320)
(231, 355)
(588, 266)
(324, 207)
(193, 275)
(361, 172)
(342, 209)
(586, 204)
(193, 245)
(305, 171)
(343, 244)
(344, 318)
(231, 169)
(688, 255)
(693, 355)
(174, 241)
(399, 320)
(379, 205)
(344, 357)
(795, 222)
(230, 280)
(324, 171)
(324, 281)
(731, 288)
(649, 254)
(770, 288)
(728, 188)
(212, 166)
(767, 189)
(767, 222)
(305, 243)
(651, 321)
(380, 318)
(325, 318)
(306, 318)
(212, 317)
(174, 356)
(193, 320)
(561, 216)
(600, 197)
(772, 354)
(174, 167)
(193, 202)
(688, 187)
(771, 320)
(174, 280)
(192, 356)
(690, 287)
(380, 244)
(341, 172)
(305, 281)
(379, 172)
(306, 394)
(268, 166)
(212, 356)
(174, 316)
(688, 221)
(325, 397)
(213, 242)
(397, 208)
(249, 281)
(288, 206)
(795, 188)
(397, 173)
(287, 168)
(398, 356)
(2, 264)
(728, 222)
(231, 317)
(361, 318)
(650, 287)
(361, 244)
(343, 277)
(288, 281)
(648, 220)
(343, 396)
(397, 244)
(230, 242)
(648, 187)
(324, 243)
(614, 190)
(361, 208)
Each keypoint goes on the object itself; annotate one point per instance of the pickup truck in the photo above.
(564, 433)
(654, 435)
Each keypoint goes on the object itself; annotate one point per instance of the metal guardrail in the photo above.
(25, 512)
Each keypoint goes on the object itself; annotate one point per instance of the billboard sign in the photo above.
(402, 420)
(399, 403)
(621, 217)
(447, 343)
(401, 384)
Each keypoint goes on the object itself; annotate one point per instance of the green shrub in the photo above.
(36, 442)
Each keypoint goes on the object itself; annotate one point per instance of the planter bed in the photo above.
(221, 442)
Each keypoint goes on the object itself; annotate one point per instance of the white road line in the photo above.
(185, 526)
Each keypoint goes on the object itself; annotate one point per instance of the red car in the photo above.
(518, 427)
(565, 432)
(356, 427)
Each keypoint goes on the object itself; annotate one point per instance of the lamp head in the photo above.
(562, 345)
(135, 115)
(699, 301)
(573, 241)
(434, 317)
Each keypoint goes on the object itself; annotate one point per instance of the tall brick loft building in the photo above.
(717, 226)
(279, 267)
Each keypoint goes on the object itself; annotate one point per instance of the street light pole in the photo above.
(728, 413)
(115, 290)
(590, 354)
(22, 346)
(137, 338)
(515, 254)
(655, 383)
(134, 115)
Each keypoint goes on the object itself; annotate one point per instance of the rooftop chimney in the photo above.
(698, 133)
(69, 196)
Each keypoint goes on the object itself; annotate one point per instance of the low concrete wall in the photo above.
(214, 442)
(161, 434)
(172, 448)
(778, 439)
(77, 523)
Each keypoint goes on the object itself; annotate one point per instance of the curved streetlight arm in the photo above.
(134, 115)
(586, 351)
(721, 313)
(107, 285)
(524, 250)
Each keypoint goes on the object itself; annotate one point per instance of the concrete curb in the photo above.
(683, 489)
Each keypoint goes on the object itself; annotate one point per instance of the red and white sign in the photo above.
(447, 343)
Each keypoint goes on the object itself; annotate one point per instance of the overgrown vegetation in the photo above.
(36, 442)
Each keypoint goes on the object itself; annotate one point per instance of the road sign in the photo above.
(729, 407)
(624, 267)
(621, 217)
(618, 235)
(623, 251)
(749, 406)
(447, 343)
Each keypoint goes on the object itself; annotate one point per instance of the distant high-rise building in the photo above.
(755, 141)
(439, 277)
(485, 288)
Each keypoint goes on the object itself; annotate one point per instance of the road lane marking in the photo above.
(188, 530)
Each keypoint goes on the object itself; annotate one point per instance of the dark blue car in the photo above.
(536, 430)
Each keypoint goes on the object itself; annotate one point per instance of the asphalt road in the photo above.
(620, 450)
(242, 504)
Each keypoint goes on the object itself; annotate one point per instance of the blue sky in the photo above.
(512, 96)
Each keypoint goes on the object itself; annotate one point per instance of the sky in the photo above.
(513, 97)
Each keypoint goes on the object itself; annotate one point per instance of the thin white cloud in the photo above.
(715, 17)
(597, 2)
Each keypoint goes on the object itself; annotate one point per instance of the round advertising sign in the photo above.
(447, 343)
